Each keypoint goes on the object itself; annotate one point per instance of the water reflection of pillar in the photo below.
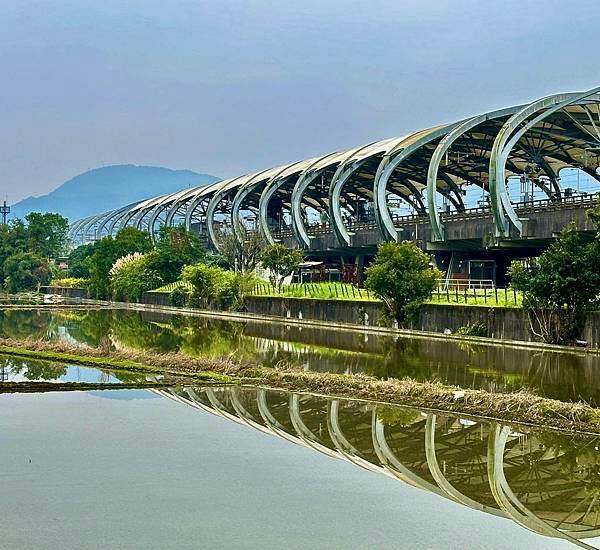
(508, 501)
(303, 432)
(439, 477)
(344, 447)
(391, 463)
(276, 427)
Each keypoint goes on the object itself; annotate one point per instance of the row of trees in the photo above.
(26, 248)
(124, 266)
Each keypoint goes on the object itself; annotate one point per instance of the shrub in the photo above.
(207, 282)
(401, 277)
(179, 296)
(131, 275)
(474, 329)
(213, 286)
(69, 282)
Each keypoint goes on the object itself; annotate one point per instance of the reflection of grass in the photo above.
(521, 406)
(510, 379)
(398, 416)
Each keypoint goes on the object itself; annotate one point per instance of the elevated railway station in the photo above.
(476, 193)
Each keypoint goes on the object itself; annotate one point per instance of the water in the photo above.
(13, 369)
(567, 376)
(244, 467)
(247, 468)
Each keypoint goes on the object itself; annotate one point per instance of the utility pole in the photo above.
(4, 211)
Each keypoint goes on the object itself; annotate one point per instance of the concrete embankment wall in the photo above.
(502, 323)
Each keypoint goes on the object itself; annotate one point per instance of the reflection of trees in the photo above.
(402, 358)
(565, 376)
(20, 324)
(91, 327)
(34, 370)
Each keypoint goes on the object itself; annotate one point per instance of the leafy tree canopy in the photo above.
(559, 286)
(47, 234)
(401, 277)
(174, 248)
(25, 271)
(282, 261)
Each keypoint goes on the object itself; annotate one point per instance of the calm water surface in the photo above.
(495, 368)
(247, 468)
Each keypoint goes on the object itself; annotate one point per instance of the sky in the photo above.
(228, 87)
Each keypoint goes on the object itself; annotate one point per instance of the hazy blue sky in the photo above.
(233, 86)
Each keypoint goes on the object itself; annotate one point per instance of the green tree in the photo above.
(77, 266)
(401, 277)
(107, 251)
(560, 286)
(129, 279)
(25, 271)
(13, 239)
(175, 247)
(244, 254)
(281, 261)
(47, 233)
(207, 281)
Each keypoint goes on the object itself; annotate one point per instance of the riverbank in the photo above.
(504, 325)
(520, 407)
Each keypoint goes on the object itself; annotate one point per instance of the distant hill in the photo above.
(110, 187)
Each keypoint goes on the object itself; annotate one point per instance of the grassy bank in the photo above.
(521, 406)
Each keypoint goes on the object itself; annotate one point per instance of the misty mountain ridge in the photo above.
(110, 187)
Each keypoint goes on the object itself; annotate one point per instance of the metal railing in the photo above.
(460, 284)
(479, 211)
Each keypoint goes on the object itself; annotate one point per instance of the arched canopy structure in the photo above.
(425, 175)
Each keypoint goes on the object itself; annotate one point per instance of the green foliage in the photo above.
(106, 252)
(206, 280)
(282, 262)
(401, 277)
(69, 282)
(43, 236)
(474, 329)
(25, 271)
(236, 287)
(47, 234)
(244, 254)
(215, 286)
(175, 247)
(560, 286)
(77, 264)
(179, 296)
(134, 277)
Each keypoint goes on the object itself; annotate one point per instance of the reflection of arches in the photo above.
(507, 499)
(391, 463)
(439, 477)
(402, 444)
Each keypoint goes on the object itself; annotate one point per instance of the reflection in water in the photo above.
(567, 376)
(14, 369)
(546, 482)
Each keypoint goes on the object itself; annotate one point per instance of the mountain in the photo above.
(110, 187)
